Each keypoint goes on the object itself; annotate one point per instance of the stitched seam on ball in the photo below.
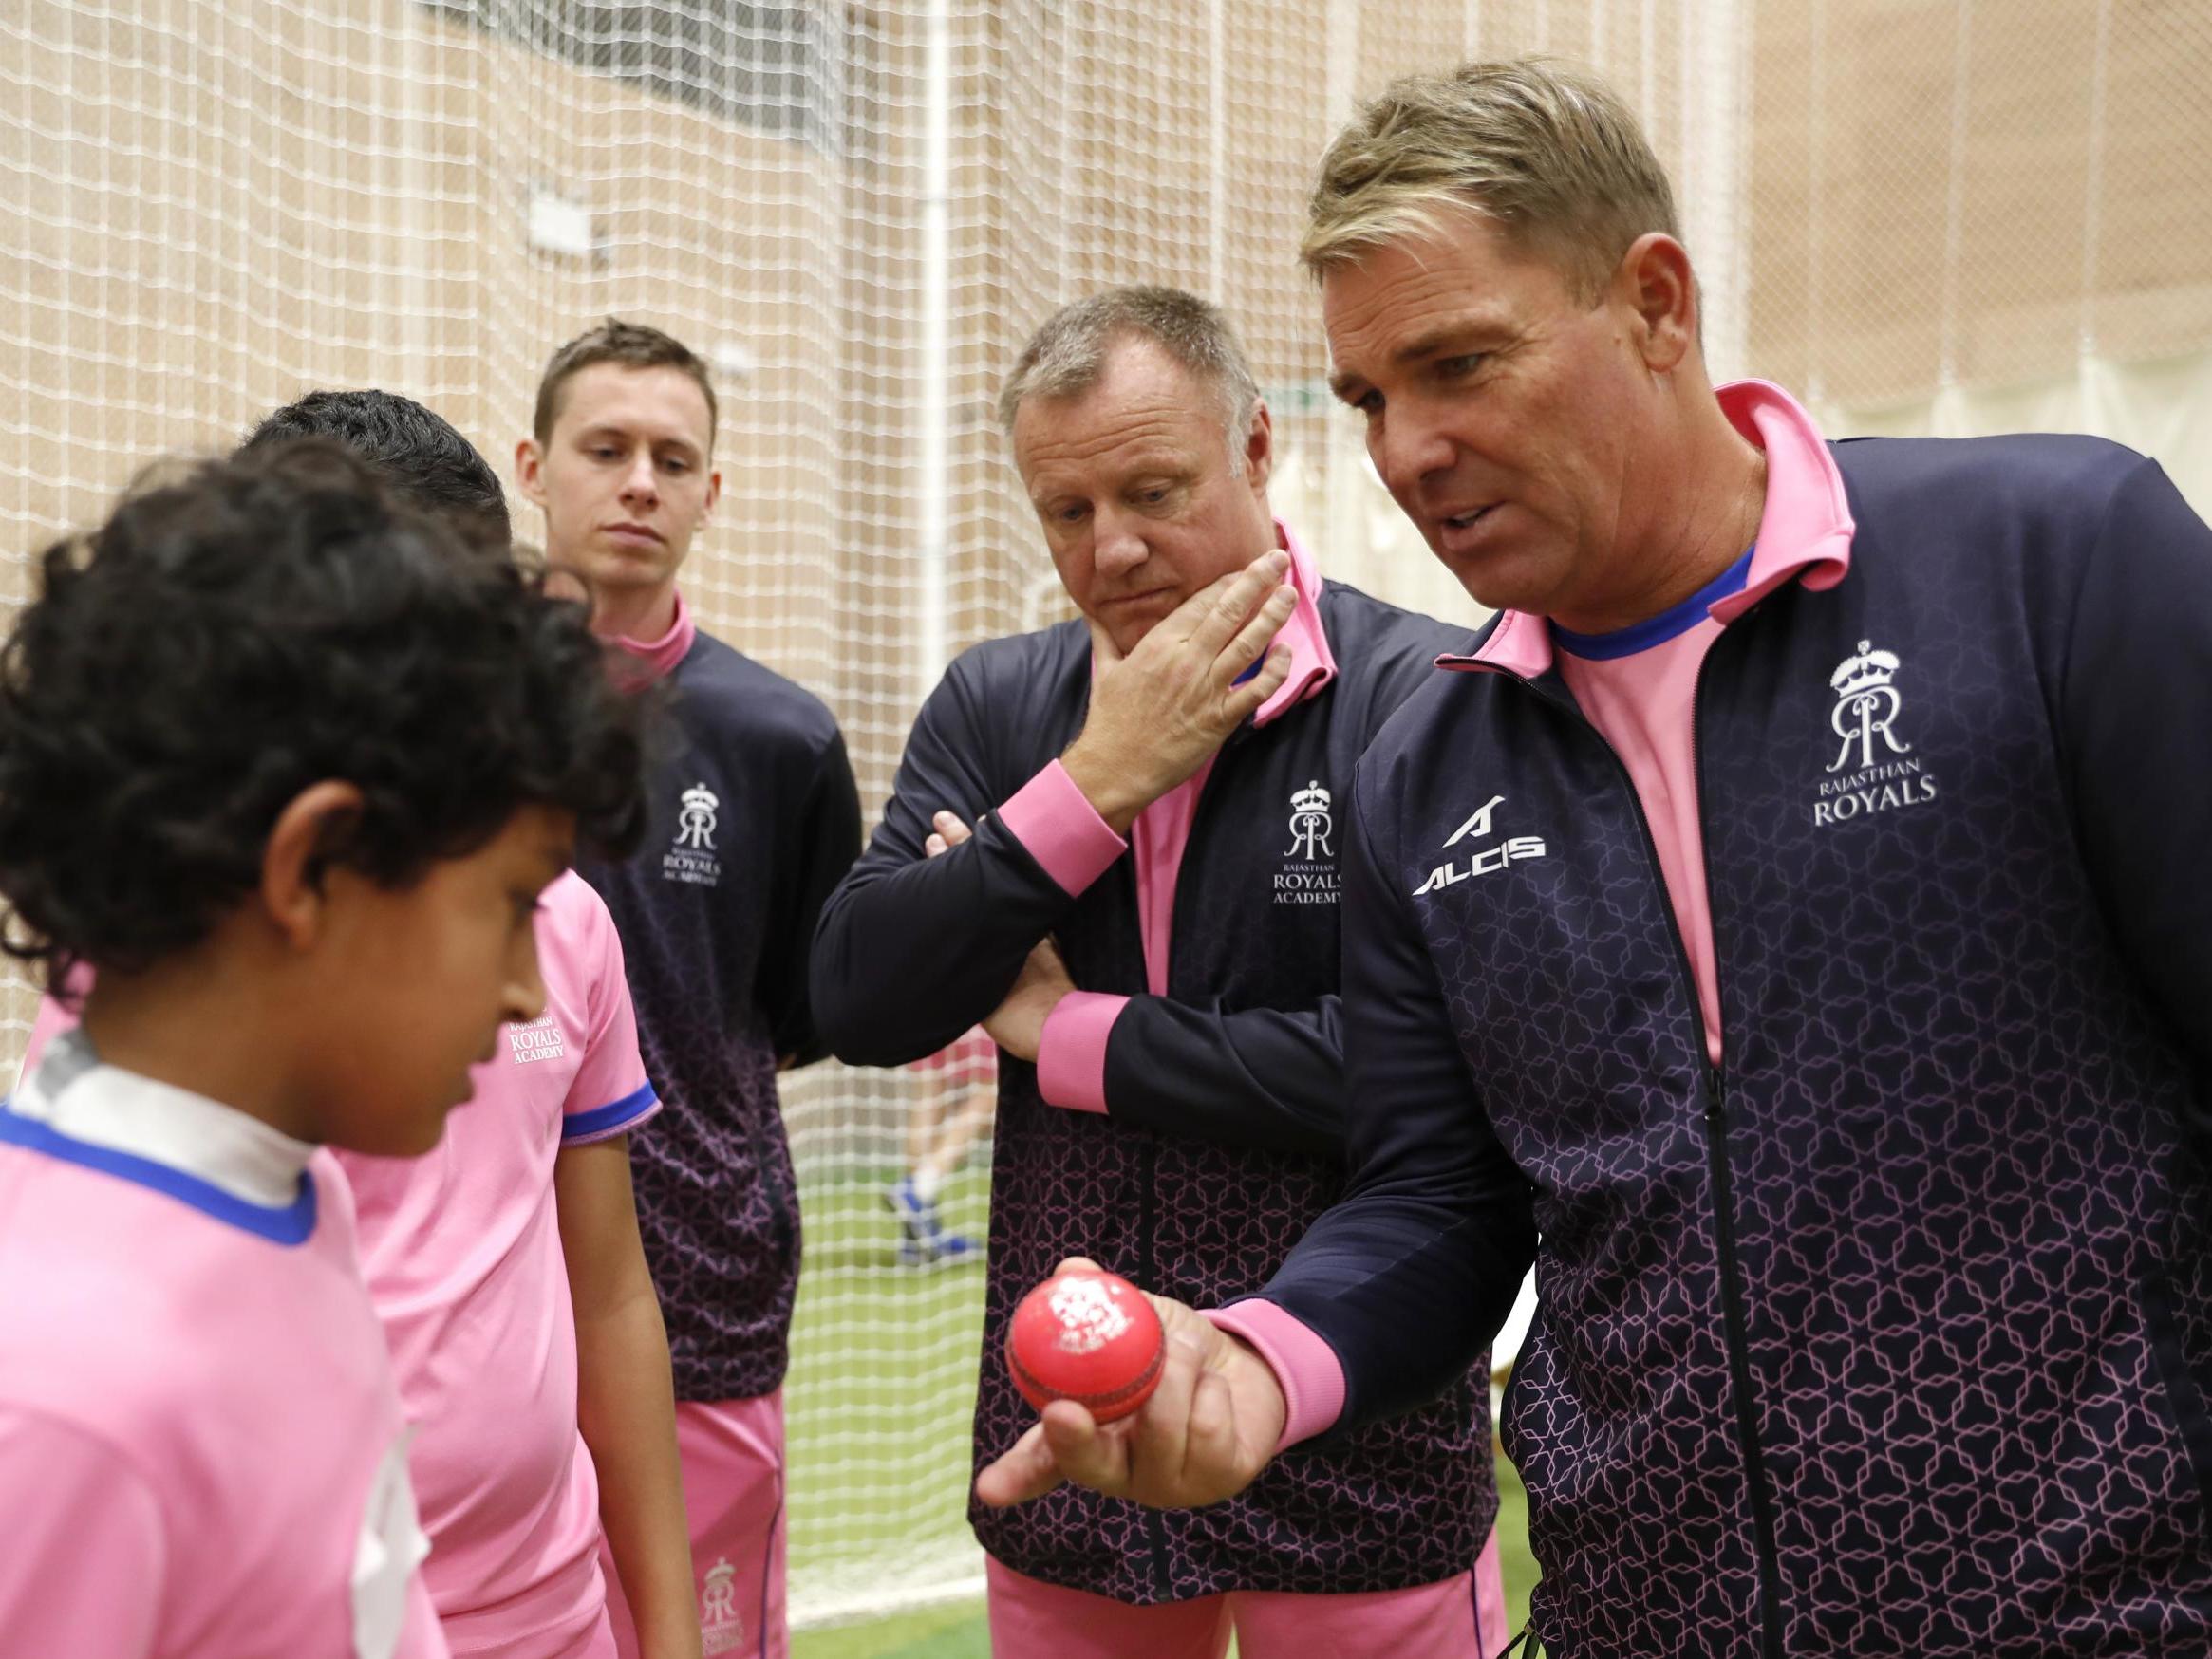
(1144, 1379)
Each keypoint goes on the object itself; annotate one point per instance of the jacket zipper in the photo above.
(1733, 1322)
(1156, 1527)
(1731, 1296)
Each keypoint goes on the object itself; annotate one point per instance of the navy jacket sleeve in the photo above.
(1268, 1078)
(1409, 1277)
(911, 950)
(2135, 724)
(826, 833)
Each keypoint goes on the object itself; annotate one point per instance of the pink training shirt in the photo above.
(1054, 819)
(201, 1451)
(462, 1251)
(1638, 689)
(1642, 701)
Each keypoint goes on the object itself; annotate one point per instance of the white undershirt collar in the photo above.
(74, 1094)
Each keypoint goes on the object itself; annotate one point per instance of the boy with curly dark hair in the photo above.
(515, 1240)
(289, 771)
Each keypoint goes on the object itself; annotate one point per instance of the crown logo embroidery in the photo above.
(1310, 823)
(695, 822)
(1868, 705)
(1868, 669)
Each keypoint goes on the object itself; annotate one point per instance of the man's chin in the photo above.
(1501, 580)
(628, 569)
(1127, 625)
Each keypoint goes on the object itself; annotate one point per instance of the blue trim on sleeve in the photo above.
(605, 1120)
(294, 1224)
(1670, 624)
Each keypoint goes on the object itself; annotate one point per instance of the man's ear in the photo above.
(1655, 282)
(529, 471)
(1259, 446)
(298, 854)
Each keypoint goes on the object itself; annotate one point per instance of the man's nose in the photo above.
(1409, 447)
(1118, 546)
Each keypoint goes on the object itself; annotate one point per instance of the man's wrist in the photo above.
(1105, 786)
(1309, 1379)
(1023, 1031)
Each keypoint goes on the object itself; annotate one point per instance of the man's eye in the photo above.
(1454, 368)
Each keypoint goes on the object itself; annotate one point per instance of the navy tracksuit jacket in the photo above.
(1224, 1134)
(753, 819)
(1892, 1334)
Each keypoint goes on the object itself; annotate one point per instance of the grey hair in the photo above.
(1067, 355)
(1553, 156)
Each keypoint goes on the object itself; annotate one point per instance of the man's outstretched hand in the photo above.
(1206, 1433)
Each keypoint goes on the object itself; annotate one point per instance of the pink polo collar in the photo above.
(660, 656)
(1312, 663)
(1804, 530)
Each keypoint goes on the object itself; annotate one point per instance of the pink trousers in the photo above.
(732, 1492)
(1461, 1618)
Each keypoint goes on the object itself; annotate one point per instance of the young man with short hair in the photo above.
(754, 818)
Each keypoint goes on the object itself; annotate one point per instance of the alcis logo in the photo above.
(1480, 860)
(1477, 824)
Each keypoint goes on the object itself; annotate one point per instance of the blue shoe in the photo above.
(916, 1217)
(925, 1240)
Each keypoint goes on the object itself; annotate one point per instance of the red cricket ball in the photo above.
(1090, 1337)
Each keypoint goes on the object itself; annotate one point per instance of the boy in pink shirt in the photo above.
(310, 892)
(463, 1255)
(510, 1254)
(461, 1251)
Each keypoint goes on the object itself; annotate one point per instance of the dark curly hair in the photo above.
(270, 621)
(416, 451)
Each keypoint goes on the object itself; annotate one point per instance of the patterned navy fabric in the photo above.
(755, 817)
(1893, 1332)
(1187, 1188)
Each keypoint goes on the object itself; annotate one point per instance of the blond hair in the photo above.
(1553, 157)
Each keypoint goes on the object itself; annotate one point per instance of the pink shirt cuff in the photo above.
(1313, 1381)
(1071, 1051)
(1062, 830)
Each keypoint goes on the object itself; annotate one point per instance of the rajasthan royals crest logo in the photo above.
(1310, 824)
(721, 1626)
(1867, 707)
(695, 822)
